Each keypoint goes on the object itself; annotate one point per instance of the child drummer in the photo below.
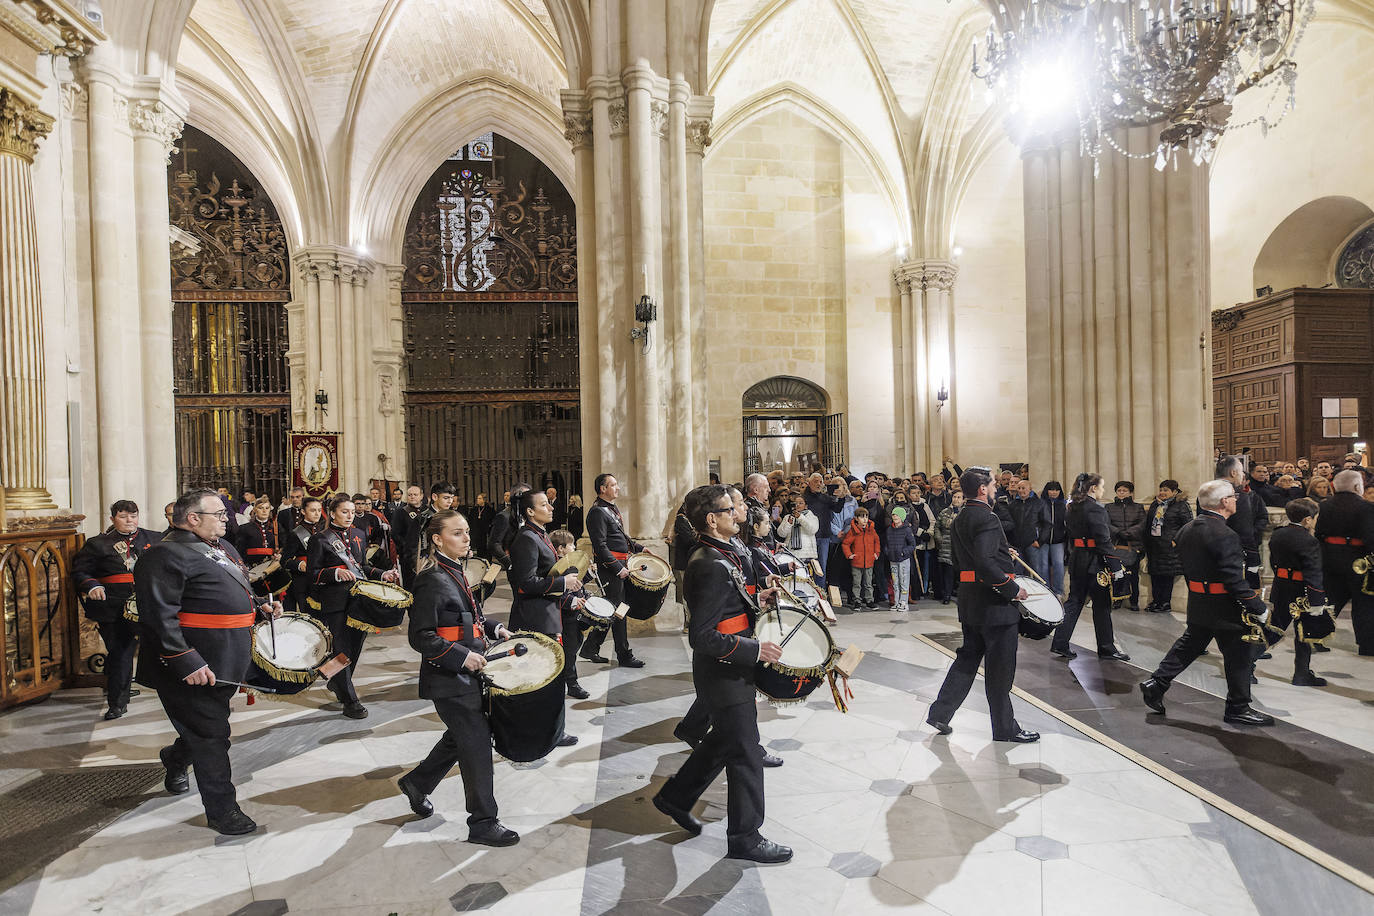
(568, 605)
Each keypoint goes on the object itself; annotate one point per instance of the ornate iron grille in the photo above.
(230, 282)
(490, 304)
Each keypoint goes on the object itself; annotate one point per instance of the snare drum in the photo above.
(131, 609)
(269, 577)
(596, 613)
(806, 657)
(475, 568)
(1041, 611)
(525, 697)
(647, 584)
(377, 606)
(285, 663)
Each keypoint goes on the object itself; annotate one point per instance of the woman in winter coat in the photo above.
(921, 520)
(899, 549)
(945, 585)
(1054, 509)
(1163, 521)
(797, 531)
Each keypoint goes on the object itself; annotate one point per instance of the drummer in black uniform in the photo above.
(256, 540)
(1218, 595)
(336, 558)
(1296, 557)
(196, 611)
(536, 590)
(569, 603)
(1345, 529)
(724, 654)
(987, 588)
(293, 550)
(449, 631)
(611, 547)
(1089, 533)
(103, 572)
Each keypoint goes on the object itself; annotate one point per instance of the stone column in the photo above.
(926, 359)
(682, 455)
(389, 361)
(23, 432)
(156, 128)
(578, 130)
(699, 111)
(906, 369)
(1116, 314)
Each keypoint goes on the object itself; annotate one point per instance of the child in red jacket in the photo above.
(861, 546)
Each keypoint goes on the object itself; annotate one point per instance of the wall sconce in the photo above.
(321, 401)
(645, 314)
(941, 395)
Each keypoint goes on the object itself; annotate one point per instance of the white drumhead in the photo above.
(301, 644)
(524, 673)
(1040, 602)
(262, 569)
(807, 591)
(599, 607)
(810, 647)
(475, 568)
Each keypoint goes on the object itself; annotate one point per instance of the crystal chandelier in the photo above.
(1175, 63)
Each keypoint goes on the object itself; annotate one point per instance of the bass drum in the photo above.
(647, 584)
(377, 605)
(1041, 611)
(525, 697)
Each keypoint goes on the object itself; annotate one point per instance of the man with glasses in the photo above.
(196, 611)
(724, 653)
(1214, 568)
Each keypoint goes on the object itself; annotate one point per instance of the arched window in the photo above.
(786, 427)
(1355, 266)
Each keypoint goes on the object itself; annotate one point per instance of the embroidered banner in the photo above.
(315, 462)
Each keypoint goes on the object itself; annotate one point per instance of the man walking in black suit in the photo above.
(987, 588)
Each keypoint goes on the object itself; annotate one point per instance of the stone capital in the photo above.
(577, 129)
(925, 274)
(49, 27)
(698, 135)
(22, 126)
(619, 114)
(154, 120)
(75, 100)
(658, 117)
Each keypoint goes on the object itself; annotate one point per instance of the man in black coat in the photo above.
(1345, 529)
(724, 654)
(103, 573)
(611, 547)
(1251, 518)
(196, 611)
(504, 528)
(408, 525)
(987, 588)
(1218, 595)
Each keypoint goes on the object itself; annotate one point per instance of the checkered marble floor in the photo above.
(883, 814)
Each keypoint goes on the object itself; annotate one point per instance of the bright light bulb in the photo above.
(1047, 87)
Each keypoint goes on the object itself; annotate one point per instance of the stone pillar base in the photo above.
(28, 499)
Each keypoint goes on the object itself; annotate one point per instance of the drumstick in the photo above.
(792, 632)
(1017, 558)
(272, 629)
(220, 680)
(517, 650)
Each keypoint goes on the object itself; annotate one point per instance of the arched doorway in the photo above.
(230, 285)
(490, 304)
(786, 427)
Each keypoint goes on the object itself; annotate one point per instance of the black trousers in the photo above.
(1083, 587)
(696, 722)
(1343, 585)
(1237, 656)
(1281, 618)
(1161, 588)
(349, 641)
(572, 641)
(613, 588)
(1252, 561)
(997, 644)
(731, 745)
(467, 742)
(121, 645)
(200, 716)
(1133, 581)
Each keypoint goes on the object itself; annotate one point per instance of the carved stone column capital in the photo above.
(395, 277)
(658, 117)
(75, 100)
(698, 135)
(577, 128)
(22, 126)
(619, 113)
(938, 275)
(153, 120)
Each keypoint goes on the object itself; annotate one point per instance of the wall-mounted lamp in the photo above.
(321, 401)
(941, 395)
(1264, 291)
(646, 313)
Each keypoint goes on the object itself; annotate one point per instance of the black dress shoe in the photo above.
(591, 656)
(1113, 653)
(231, 823)
(1160, 609)
(577, 691)
(943, 728)
(131, 693)
(496, 835)
(419, 802)
(628, 660)
(690, 740)
(1253, 679)
(1266, 655)
(567, 740)
(682, 816)
(1066, 654)
(114, 712)
(175, 781)
(1321, 647)
(771, 760)
(1248, 717)
(1021, 737)
(355, 710)
(1308, 679)
(1153, 692)
(766, 852)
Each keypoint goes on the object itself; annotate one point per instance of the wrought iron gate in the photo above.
(490, 302)
(786, 427)
(230, 283)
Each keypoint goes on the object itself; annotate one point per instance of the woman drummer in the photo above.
(256, 541)
(448, 630)
(1089, 536)
(537, 590)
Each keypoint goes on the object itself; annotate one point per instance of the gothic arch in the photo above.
(1303, 248)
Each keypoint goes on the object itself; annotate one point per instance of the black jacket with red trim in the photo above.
(256, 541)
(446, 623)
(536, 589)
(98, 559)
(606, 530)
(324, 561)
(195, 608)
(1089, 536)
(1214, 572)
(724, 650)
(1345, 517)
(1296, 557)
(985, 567)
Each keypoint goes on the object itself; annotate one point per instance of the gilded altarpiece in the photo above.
(490, 303)
(230, 286)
